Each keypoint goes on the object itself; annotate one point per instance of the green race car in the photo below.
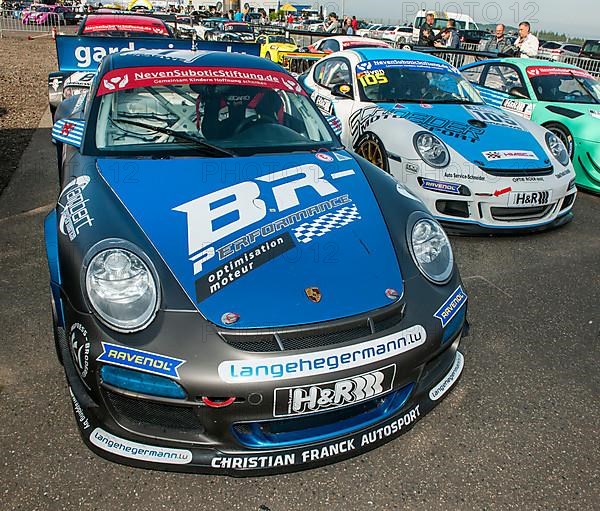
(563, 98)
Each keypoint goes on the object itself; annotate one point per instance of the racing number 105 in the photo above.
(373, 79)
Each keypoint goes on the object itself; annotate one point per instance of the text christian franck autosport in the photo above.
(316, 454)
(130, 78)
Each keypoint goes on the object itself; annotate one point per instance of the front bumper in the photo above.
(474, 203)
(260, 446)
(110, 441)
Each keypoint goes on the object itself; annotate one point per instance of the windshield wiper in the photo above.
(584, 86)
(178, 134)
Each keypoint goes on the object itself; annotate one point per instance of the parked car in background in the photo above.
(398, 34)
(478, 168)
(207, 26)
(366, 31)
(344, 42)
(272, 46)
(553, 50)
(232, 31)
(560, 97)
(123, 25)
(472, 36)
(39, 14)
(591, 49)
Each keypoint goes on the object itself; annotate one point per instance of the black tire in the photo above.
(371, 148)
(564, 135)
(268, 56)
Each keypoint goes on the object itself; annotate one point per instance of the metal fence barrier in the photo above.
(13, 21)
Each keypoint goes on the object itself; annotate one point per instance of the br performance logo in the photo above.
(307, 399)
(139, 360)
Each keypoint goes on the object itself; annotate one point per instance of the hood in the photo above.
(278, 240)
(485, 136)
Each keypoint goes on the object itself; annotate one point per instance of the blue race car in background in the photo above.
(232, 291)
(478, 168)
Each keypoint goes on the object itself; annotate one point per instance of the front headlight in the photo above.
(431, 250)
(432, 150)
(557, 148)
(121, 289)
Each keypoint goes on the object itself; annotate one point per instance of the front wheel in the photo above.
(564, 135)
(370, 147)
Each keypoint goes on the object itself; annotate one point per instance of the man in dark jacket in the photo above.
(426, 35)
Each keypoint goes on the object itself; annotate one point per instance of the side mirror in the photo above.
(519, 92)
(68, 131)
(343, 90)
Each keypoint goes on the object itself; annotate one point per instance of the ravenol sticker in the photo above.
(145, 361)
(444, 386)
(128, 449)
(440, 186)
(451, 306)
(322, 362)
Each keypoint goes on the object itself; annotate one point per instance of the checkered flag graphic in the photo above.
(493, 155)
(306, 232)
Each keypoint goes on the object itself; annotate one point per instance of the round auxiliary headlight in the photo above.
(432, 150)
(121, 289)
(431, 250)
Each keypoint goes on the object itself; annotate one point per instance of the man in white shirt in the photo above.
(527, 43)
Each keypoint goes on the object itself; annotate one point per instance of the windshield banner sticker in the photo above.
(413, 65)
(535, 71)
(131, 78)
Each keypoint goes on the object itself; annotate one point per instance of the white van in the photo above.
(463, 22)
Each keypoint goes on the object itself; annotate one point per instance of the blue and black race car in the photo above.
(232, 291)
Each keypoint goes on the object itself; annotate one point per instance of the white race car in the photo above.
(479, 169)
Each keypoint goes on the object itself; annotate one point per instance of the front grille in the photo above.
(316, 339)
(322, 426)
(568, 202)
(140, 412)
(544, 171)
(313, 337)
(520, 214)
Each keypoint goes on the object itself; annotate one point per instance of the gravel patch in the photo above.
(24, 68)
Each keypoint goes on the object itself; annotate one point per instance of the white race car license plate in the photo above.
(530, 199)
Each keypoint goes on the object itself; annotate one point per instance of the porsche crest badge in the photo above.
(313, 294)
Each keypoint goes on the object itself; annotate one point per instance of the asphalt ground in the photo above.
(520, 430)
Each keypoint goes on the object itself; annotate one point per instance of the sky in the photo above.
(574, 17)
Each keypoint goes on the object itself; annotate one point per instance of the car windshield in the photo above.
(280, 39)
(407, 81)
(217, 111)
(564, 85)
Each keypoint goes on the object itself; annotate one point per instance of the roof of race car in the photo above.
(391, 53)
(522, 63)
(188, 58)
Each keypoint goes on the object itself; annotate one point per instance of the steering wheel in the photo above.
(247, 122)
